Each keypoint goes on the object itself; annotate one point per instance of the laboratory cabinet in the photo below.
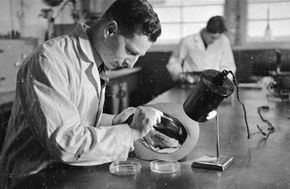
(123, 90)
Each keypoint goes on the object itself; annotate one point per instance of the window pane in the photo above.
(280, 10)
(279, 19)
(265, 1)
(189, 29)
(203, 2)
(170, 14)
(159, 3)
(256, 28)
(183, 17)
(277, 10)
(279, 28)
(203, 13)
(257, 11)
(163, 3)
(170, 31)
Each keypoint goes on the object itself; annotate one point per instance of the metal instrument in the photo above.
(212, 88)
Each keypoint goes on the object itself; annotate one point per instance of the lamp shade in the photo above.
(52, 3)
(213, 87)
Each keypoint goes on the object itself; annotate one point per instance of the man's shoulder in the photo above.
(55, 51)
(190, 37)
(58, 47)
(221, 42)
(56, 42)
(191, 41)
(224, 38)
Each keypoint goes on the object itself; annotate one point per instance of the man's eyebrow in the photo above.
(132, 51)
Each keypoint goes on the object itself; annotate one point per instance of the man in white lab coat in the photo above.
(208, 49)
(57, 113)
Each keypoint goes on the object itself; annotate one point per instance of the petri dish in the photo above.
(125, 167)
(161, 166)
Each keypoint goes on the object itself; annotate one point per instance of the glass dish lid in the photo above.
(125, 167)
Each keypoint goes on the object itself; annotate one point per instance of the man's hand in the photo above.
(123, 116)
(188, 78)
(144, 119)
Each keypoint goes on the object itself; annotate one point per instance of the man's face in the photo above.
(122, 52)
(211, 37)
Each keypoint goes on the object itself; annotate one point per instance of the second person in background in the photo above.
(208, 49)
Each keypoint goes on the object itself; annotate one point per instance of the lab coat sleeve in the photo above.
(227, 60)
(174, 65)
(55, 120)
(107, 119)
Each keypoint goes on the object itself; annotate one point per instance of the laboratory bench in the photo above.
(259, 162)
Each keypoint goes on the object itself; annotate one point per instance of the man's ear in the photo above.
(111, 29)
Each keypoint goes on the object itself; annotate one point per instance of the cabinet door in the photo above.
(12, 53)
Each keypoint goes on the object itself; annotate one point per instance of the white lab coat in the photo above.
(53, 115)
(191, 52)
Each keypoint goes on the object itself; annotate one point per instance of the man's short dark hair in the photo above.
(135, 17)
(216, 24)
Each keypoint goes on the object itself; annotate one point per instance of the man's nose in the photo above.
(130, 62)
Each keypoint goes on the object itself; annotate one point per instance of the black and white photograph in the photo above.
(145, 94)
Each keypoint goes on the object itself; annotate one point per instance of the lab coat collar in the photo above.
(199, 40)
(90, 55)
(85, 47)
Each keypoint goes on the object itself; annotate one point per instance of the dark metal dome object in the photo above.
(52, 3)
(212, 88)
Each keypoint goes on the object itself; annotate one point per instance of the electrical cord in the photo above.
(242, 104)
(271, 128)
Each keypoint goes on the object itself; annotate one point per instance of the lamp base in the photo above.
(212, 162)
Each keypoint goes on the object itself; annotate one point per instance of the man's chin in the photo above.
(118, 68)
(114, 66)
(111, 67)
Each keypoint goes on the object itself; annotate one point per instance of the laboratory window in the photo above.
(268, 20)
(180, 18)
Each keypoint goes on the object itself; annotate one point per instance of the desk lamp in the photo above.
(201, 105)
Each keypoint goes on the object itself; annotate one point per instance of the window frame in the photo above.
(183, 5)
(250, 38)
